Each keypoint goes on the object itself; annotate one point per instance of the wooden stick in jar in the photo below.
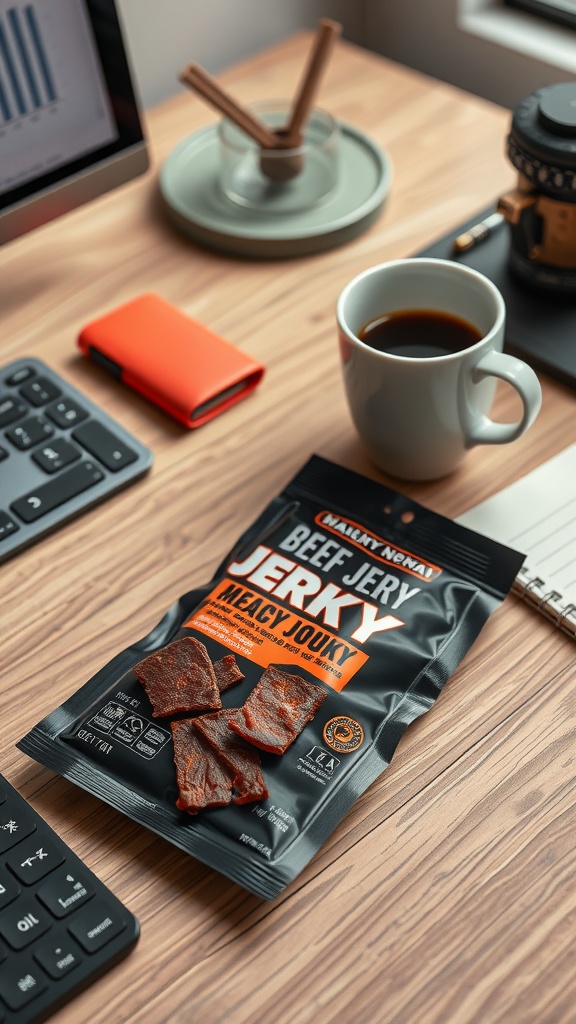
(196, 78)
(327, 33)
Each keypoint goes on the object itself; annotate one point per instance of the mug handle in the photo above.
(483, 430)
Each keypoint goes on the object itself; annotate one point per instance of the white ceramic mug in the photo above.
(419, 416)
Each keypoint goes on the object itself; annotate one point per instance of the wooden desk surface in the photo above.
(446, 895)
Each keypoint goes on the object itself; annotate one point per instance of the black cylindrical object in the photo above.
(541, 211)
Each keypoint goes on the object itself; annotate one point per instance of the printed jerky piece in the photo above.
(204, 779)
(227, 672)
(240, 757)
(179, 677)
(277, 710)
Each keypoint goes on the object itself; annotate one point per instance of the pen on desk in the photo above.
(477, 233)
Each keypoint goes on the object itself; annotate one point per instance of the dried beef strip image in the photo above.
(277, 710)
(227, 672)
(179, 677)
(204, 779)
(241, 757)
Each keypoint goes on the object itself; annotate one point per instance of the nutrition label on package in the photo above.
(130, 728)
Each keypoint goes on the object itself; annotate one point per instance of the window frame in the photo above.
(551, 10)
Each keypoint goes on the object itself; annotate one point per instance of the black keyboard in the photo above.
(59, 454)
(60, 927)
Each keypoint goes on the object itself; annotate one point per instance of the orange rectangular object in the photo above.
(174, 361)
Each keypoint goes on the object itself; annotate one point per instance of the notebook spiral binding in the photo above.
(550, 603)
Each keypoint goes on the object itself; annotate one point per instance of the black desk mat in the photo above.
(540, 329)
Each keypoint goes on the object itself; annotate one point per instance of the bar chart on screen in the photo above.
(25, 61)
(44, 69)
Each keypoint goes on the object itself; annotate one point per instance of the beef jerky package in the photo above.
(247, 722)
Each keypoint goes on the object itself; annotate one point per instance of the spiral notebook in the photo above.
(537, 515)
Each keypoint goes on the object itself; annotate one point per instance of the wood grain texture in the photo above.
(446, 895)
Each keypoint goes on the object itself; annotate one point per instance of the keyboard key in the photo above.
(39, 391)
(56, 455)
(30, 432)
(23, 922)
(104, 445)
(57, 491)
(95, 925)
(64, 892)
(10, 410)
(34, 859)
(66, 413)
(57, 954)
(19, 376)
(9, 889)
(8, 525)
(20, 987)
(15, 824)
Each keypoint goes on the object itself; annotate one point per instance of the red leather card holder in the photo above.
(174, 361)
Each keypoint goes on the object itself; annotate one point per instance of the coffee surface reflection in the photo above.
(419, 333)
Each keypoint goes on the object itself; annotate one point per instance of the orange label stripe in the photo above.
(265, 632)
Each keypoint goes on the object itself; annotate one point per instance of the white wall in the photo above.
(163, 35)
(478, 45)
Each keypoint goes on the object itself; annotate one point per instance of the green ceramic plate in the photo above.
(198, 207)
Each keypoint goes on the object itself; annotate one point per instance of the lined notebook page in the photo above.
(537, 516)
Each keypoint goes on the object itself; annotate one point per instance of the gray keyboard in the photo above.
(60, 927)
(60, 454)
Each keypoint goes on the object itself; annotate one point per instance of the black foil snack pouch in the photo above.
(364, 603)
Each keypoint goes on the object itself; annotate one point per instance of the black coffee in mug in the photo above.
(419, 333)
